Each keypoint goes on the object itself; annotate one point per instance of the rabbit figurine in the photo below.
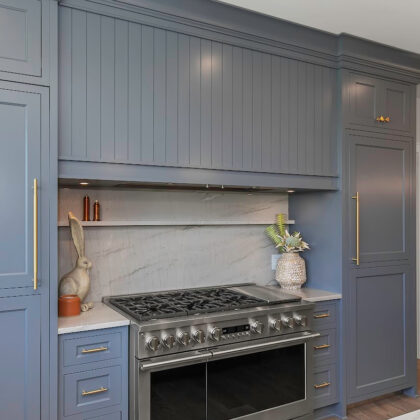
(77, 281)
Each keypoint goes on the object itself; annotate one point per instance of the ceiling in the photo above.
(390, 22)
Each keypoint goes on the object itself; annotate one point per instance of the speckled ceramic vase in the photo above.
(291, 271)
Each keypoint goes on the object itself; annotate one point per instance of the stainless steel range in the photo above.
(221, 353)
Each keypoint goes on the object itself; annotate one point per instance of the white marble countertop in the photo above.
(311, 295)
(101, 316)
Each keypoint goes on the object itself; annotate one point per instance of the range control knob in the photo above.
(199, 336)
(257, 327)
(168, 341)
(301, 320)
(153, 343)
(276, 324)
(216, 334)
(287, 321)
(183, 338)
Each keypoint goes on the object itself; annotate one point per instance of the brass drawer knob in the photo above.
(323, 385)
(87, 351)
(94, 391)
(322, 346)
(387, 119)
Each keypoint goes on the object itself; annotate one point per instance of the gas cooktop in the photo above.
(144, 307)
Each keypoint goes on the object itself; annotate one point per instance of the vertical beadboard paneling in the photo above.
(310, 119)
(184, 100)
(65, 96)
(238, 108)
(147, 97)
(275, 114)
(78, 83)
(217, 104)
(301, 118)
(171, 98)
(195, 98)
(333, 146)
(107, 88)
(205, 103)
(93, 86)
(134, 92)
(138, 94)
(121, 91)
(266, 147)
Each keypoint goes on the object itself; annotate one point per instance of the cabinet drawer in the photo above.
(325, 386)
(325, 316)
(91, 390)
(325, 347)
(91, 348)
(111, 416)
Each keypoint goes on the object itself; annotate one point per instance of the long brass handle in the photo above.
(84, 351)
(94, 391)
(326, 315)
(35, 234)
(323, 385)
(322, 346)
(357, 258)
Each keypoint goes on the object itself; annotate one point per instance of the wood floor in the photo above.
(386, 408)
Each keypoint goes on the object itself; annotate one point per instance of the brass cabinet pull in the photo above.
(94, 391)
(35, 234)
(85, 351)
(322, 346)
(323, 385)
(326, 315)
(387, 119)
(357, 258)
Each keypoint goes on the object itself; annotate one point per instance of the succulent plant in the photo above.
(283, 240)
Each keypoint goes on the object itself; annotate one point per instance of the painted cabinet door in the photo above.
(380, 171)
(370, 98)
(381, 331)
(20, 36)
(20, 358)
(20, 164)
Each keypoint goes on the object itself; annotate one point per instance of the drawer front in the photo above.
(325, 347)
(325, 316)
(92, 348)
(325, 386)
(91, 390)
(112, 416)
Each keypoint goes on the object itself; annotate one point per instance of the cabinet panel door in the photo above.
(380, 337)
(397, 106)
(20, 36)
(20, 157)
(380, 171)
(365, 98)
(20, 350)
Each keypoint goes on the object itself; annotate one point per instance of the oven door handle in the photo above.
(174, 362)
(262, 346)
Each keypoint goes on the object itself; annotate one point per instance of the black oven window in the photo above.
(179, 394)
(244, 385)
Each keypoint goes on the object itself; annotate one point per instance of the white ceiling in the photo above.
(391, 22)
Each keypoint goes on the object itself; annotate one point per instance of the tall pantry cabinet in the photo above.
(28, 210)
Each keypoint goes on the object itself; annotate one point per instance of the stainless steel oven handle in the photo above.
(265, 345)
(180, 360)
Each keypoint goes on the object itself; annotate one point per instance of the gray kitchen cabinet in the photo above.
(371, 97)
(132, 93)
(380, 341)
(380, 171)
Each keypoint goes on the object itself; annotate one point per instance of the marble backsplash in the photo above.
(137, 259)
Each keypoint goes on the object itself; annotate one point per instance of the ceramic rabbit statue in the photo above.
(77, 281)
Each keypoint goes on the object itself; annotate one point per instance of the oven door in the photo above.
(265, 380)
(170, 387)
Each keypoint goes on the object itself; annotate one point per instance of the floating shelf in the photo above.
(109, 223)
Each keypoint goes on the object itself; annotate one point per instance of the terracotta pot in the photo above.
(68, 305)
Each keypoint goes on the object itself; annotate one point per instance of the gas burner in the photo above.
(172, 304)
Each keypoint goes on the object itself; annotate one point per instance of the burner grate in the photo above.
(183, 303)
